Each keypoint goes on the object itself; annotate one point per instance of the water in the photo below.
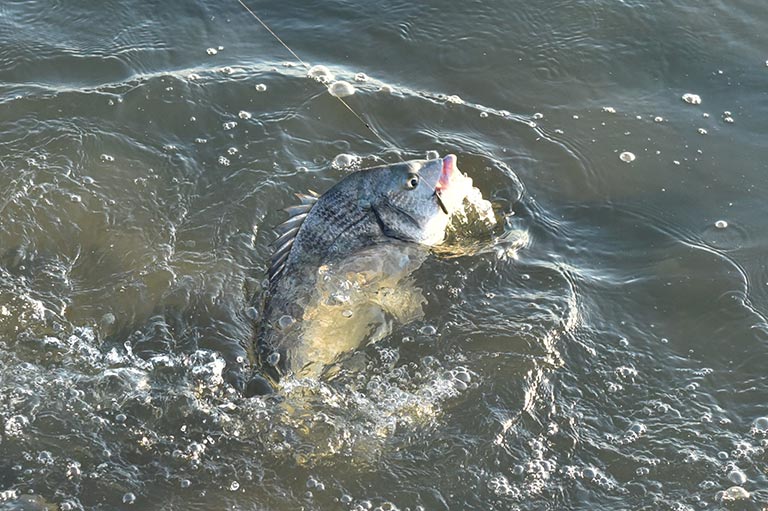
(603, 348)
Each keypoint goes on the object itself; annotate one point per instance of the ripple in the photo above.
(467, 53)
(727, 236)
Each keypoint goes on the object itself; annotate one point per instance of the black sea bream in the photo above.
(370, 215)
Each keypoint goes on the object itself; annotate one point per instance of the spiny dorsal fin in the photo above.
(289, 224)
(308, 199)
(287, 233)
(277, 267)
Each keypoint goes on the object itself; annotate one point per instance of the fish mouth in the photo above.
(449, 167)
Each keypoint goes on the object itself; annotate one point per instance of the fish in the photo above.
(385, 217)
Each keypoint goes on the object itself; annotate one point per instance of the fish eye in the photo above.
(412, 181)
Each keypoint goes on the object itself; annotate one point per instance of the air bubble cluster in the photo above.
(692, 99)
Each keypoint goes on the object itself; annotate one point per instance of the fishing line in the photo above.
(307, 66)
(346, 105)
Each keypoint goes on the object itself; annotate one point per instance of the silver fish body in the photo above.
(398, 204)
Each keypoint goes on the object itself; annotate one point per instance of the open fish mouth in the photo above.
(449, 167)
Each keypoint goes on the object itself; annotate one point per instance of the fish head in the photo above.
(413, 201)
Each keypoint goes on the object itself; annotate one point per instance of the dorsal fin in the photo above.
(308, 199)
(287, 233)
(292, 222)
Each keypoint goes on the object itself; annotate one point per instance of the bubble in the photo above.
(129, 498)
(761, 425)
(728, 119)
(361, 77)
(232, 151)
(201, 140)
(609, 110)
(456, 100)
(193, 76)
(273, 359)
(658, 118)
(234, 486)
(321, 74)
(346, 313)
(721, 224)
(483, 114)
(500, 485)
(737, 477)
(260, 87)
(428, 330)
(73, 469)
(692, 99)
(107, 157)
(387, 89)
(589, 473)
(341, 89)
(628, 373)
(627, 157)
(432, 155)
(735, 493)
(211, 51)
(252, 313)
(15, 425)
(45, 458)
(120, 417)
(702, 131)
(185, 483)
(285, 321)
(538, 115)
(244, 115)
(229, 125)
(223, 160)
(343, 161)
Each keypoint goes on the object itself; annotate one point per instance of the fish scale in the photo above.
(367, 207)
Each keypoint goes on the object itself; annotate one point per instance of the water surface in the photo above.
(603, 348)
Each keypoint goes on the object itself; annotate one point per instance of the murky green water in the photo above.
(614, 359)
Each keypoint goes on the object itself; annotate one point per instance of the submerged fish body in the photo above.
(383, 215)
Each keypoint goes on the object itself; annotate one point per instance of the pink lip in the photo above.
(449, 166)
